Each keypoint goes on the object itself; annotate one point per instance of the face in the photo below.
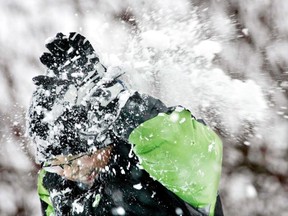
(80, 168)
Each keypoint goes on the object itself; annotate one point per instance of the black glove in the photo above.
(72, 61)
(75, 103)
(71, 56)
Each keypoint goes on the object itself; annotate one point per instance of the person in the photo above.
(108, 150)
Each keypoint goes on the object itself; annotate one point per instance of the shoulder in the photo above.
(136, 108)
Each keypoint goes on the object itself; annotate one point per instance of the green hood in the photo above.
(182, 154)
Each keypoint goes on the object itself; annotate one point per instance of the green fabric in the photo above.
(44, 194)
(183, 154)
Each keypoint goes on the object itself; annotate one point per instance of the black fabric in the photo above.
(44, 206)
(218, 207)
(138, 109)
(193, 211)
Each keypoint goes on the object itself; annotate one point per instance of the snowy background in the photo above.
(226, 60)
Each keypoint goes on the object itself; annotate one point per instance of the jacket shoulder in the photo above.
(137, 109)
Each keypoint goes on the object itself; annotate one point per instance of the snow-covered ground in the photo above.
(224, 60)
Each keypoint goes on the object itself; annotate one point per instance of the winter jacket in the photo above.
(163, 162)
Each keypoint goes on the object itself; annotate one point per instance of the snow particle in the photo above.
(246, 143)
(179, 109)
(245, 31)
(118, 211)
(211, 147)
(138, 186)
(122, 171)
(77, 207)
(182, 120)
(174, 117)
(179, 211)
(251, 191)
(130, 155)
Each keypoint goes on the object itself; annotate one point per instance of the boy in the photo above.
(108, 150)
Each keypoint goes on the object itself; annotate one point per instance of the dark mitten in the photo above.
(71, 57)
(75, 103)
